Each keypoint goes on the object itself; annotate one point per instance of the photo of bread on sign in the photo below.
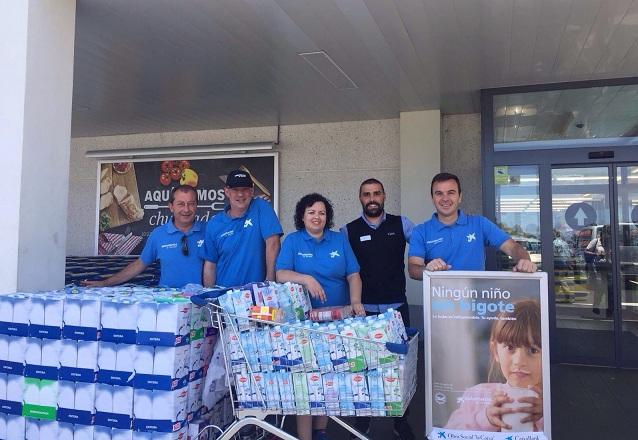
(260, 189)
(119, 195)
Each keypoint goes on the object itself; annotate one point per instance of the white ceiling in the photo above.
(170, 65)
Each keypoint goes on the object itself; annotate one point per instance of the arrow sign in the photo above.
(579, 215)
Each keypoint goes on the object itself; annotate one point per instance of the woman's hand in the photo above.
(495, 411)
(358, 309)
(314, 288)
(535, 409)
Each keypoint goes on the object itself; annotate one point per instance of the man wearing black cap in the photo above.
(241, 243)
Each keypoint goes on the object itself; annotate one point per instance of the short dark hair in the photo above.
(307, 201)
(182, 188)
(443, 177)
(371, 181)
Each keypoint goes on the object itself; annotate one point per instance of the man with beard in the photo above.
(378, 240)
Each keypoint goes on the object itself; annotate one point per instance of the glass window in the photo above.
(518, 209)
(569, 118)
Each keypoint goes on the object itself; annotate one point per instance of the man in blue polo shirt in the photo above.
(453, 240)
(241, 243)
(175, 244)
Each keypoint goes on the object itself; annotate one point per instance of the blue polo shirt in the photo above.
(237, 245)
(329, 261)
(461, 245)
(165, 244)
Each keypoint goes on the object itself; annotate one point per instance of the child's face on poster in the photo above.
(521, 366)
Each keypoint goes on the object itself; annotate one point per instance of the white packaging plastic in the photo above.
(85, 396)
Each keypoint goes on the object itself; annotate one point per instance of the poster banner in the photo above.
(487, 355)
(132, 197)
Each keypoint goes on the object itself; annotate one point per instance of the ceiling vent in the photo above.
(322, 63)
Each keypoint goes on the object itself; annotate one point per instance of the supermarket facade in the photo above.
(553, 163)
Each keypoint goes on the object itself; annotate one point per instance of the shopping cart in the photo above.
(302, 370)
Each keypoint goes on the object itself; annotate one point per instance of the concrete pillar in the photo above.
(420, 134)
(36, 85)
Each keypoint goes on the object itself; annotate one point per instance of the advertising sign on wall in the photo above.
(487, 355)
(133, 196)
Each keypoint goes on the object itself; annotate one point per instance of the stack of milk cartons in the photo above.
(78, 359)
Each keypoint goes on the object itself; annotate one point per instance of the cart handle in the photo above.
(203, 298)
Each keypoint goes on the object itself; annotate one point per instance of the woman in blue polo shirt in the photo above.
(322, 260)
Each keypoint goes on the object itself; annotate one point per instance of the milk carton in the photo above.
(338, 355)
(392, 391)
(379, 333)
(305, 346)
(269, 296)
(195, 402)
(81, 432)
(242, 301)
(315, 394)
(320, 347)
(235, 350)
(273, 400)
(16, 427)
(294, 358)
(279, 348)
(354, 349)
(286, 391)
(361, 396)
(264, 349)
(285, 304)
(377, 396)
(259, 385)
(331, 393)
(247, 339)
(246, 392)
(302, 399)
(346, 397)
(114, 406)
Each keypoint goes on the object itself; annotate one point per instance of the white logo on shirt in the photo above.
(248, 222)
(438, 240)
(334, 254)
(471, 237)
(169, 246)
(200, 243)
(304, 255)
(227, 234)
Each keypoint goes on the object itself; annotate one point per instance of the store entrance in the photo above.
(595, 256)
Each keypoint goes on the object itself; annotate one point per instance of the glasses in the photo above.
(185, 245)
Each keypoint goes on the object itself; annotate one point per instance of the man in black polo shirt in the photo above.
(378, 240)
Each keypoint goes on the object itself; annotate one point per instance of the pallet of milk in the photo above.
(163, 320)
(160, 410)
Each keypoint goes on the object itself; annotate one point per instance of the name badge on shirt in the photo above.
(365, 238)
